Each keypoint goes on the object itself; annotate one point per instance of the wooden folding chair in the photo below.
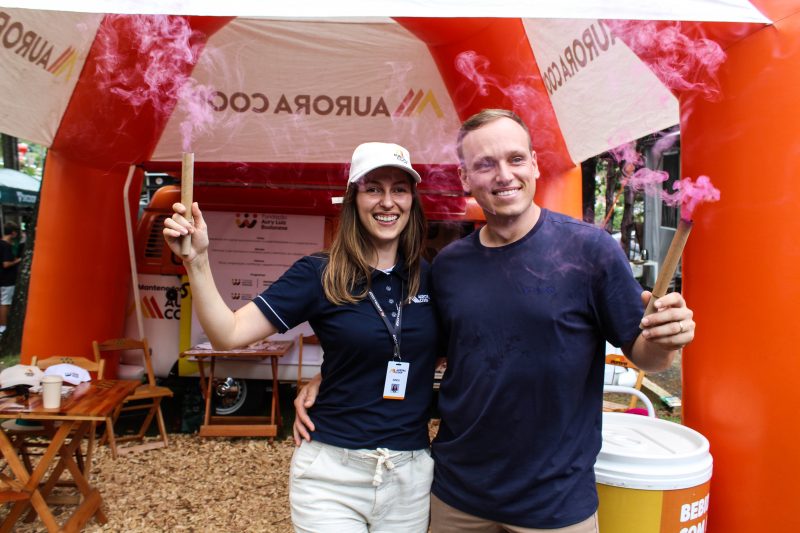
(146, 397)
(302, 340)
(20, 437)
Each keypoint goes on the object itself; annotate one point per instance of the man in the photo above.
(527, 304)
(8, 274)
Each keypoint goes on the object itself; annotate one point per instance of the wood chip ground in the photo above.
(195, 485)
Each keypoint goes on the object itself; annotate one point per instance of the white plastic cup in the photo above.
(51, 392)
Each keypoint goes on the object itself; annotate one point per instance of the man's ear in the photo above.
(536, 172)
(463, 177)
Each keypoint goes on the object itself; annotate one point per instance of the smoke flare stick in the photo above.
(187, 184)
(670, 265)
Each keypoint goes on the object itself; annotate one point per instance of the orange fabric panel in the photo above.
(80, 276)
(740, 267)
(504, 43)
(562, 193)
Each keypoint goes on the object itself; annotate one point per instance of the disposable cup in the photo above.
(51, 392)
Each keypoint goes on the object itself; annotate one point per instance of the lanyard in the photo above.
(394, 331)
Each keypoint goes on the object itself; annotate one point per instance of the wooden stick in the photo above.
(131, 251)
(187, 184)
(670, 264)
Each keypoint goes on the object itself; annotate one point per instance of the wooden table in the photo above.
(240, 426)
(90, 402)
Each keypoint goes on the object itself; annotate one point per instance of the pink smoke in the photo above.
(626, 152)
(473, 67)
(681, 63)
(527, 102)
(520, 91)
(158, 76)
(199, 115)
(664, 143)
(647, 181)
(689, 195)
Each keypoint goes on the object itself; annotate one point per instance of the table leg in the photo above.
(209, 385)
(276, 406)
(92, 503)
(31, 485)
(201, 371)
(90, 506)
(67, 461)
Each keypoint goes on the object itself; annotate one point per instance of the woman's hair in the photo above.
(349, 256)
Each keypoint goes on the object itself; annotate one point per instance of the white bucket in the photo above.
(652, 475)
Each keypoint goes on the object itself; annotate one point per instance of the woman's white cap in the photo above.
(369, 156)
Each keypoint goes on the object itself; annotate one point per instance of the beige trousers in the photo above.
(446, 519)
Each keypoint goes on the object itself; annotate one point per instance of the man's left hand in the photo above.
(671, 326)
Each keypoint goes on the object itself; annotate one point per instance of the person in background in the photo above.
(526, 305)
(365, 465)
(8, 276)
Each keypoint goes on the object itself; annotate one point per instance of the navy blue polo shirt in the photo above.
(350, 410)
(521, 401)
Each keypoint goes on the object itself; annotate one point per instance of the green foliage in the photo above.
(8, 360)
(33, 162)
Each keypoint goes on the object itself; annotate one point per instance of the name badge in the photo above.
(396, 378)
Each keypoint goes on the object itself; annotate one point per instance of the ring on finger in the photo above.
(680, 324)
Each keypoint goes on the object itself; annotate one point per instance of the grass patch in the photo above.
(8, 360)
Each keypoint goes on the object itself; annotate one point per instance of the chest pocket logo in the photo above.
(421, 299)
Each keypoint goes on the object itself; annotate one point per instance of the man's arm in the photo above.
(664, 332)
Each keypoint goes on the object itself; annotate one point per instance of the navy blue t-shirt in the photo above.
(521, 401)
(350, 410)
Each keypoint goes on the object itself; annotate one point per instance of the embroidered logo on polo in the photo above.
(421, 299)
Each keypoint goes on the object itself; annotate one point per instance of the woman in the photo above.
(367, 466)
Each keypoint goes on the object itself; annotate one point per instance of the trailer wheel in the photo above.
(237, 396)
(230, 395)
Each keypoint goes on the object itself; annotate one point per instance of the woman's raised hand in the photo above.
(177, 226)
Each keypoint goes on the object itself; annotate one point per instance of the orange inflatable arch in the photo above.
(739, 265)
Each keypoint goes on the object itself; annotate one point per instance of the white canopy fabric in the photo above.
(310, 91)
(42, 54)
(698, 10)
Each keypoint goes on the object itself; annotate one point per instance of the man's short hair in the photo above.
(478, 120)
(10, 227)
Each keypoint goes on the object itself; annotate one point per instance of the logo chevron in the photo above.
(416, 102)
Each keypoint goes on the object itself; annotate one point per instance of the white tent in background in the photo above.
(17, 190)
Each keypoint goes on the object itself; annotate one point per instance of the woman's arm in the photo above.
(305, 399)
(224, 328)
